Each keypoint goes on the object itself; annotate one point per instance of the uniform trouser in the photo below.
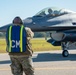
(20, 64)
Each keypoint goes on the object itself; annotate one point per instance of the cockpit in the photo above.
(53, 12)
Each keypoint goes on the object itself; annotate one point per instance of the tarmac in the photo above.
(45, 63)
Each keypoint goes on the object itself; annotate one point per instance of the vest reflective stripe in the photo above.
(21, 38)
(10, 42)
(21, 42)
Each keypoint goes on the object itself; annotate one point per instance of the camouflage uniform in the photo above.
(23, 61)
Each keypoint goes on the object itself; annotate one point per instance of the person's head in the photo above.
(17, 20)
(49, 11)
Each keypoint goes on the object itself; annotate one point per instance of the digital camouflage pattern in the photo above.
(22, 62)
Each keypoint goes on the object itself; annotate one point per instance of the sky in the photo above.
(28, 8)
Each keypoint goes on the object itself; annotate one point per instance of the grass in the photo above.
(37, 45)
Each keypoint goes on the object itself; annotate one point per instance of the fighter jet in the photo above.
(59, 22)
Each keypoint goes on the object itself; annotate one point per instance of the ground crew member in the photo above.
(22, 61)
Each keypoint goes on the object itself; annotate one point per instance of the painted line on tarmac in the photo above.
(57, 68)
(46, 68)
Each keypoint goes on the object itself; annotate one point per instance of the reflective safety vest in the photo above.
(16, 39)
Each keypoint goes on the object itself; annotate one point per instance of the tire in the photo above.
(65, 53)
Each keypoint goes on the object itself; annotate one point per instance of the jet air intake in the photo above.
(63, 36)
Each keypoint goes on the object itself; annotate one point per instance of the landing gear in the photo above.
(65, 53)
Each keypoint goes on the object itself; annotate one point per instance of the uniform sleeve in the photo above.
(7, 36)
(29, 33)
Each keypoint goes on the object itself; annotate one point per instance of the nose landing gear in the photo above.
(65, 53)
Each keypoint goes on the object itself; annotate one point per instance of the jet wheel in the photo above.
(65, 53)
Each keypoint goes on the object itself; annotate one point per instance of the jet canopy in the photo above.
(53, 11)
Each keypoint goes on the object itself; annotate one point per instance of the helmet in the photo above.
(17, 20)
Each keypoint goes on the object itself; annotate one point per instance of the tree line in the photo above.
(36, 34)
